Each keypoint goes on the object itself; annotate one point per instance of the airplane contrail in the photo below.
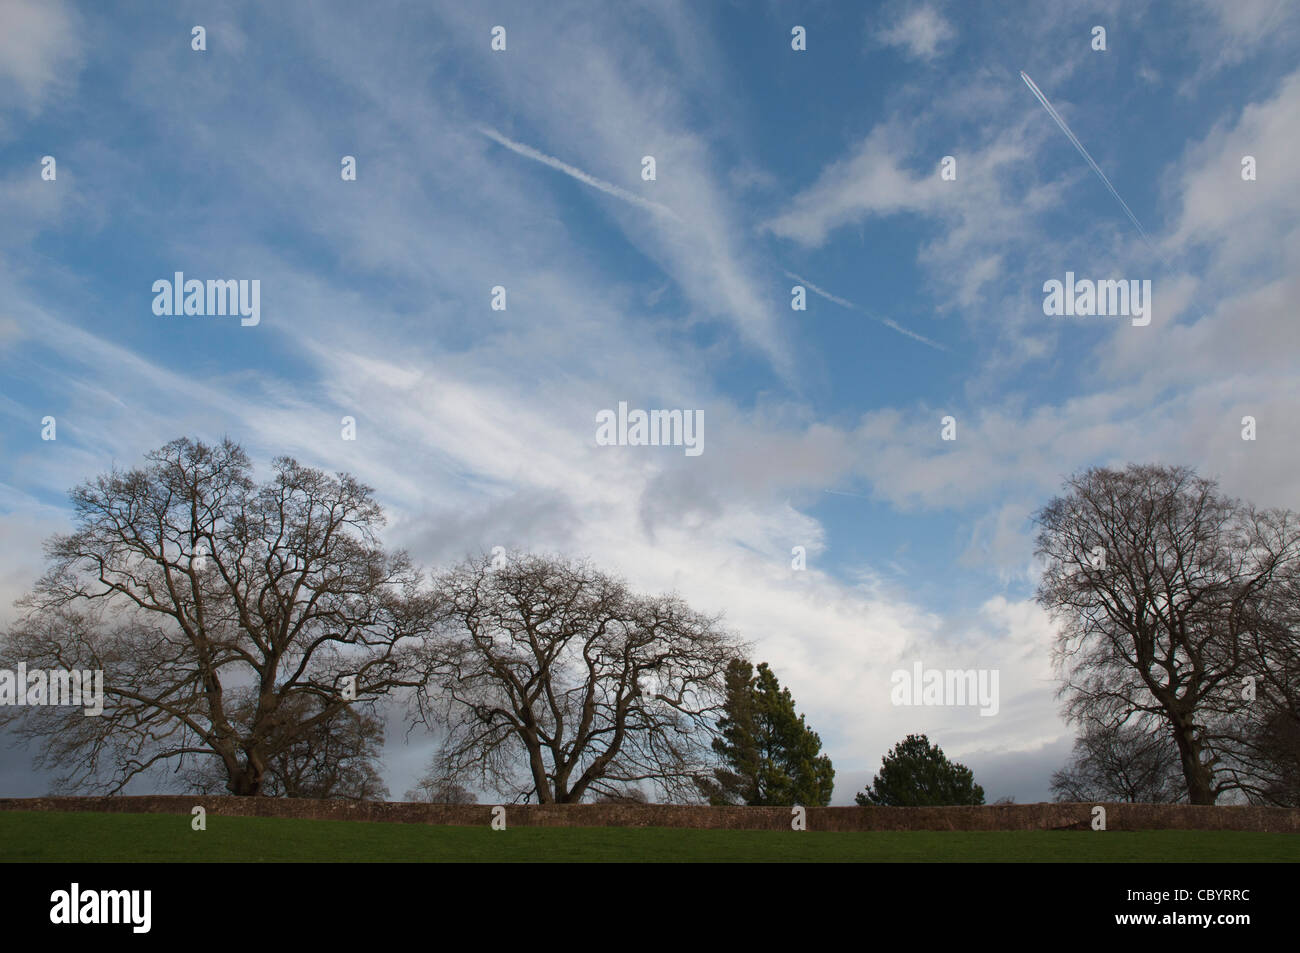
(609, 188)
(844, 493)
(1051, 111)
(845, 303)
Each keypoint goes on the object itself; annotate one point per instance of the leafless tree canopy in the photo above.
(439, 790)
(1168, 626)
(225, 616)
(1267, 758)
(557, 682)
(1126, 763)
(334, 759)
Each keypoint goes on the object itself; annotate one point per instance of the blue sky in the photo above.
(822, 427)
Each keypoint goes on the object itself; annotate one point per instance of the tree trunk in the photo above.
(245, 784)
(1199, 782)
(247, 781)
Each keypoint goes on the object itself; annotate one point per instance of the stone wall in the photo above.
(1000, 817)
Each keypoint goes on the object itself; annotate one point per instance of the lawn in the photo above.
(81, 837)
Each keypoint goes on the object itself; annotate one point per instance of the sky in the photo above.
(775, 167)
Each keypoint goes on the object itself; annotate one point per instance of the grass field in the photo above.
(27, 836)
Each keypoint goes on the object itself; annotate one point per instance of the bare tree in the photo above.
(336, 758)
(1156, 579)
(557, 682)
(333, 759)
(1121, 763)
(440, 790)
(231, 621)
(629, 795)
(1267, 757)
(1271, 760)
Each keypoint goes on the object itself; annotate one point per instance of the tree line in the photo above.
(250, 635)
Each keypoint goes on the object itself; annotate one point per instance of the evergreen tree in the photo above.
(918, 774)
(770, 756)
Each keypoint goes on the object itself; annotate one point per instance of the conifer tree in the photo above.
(770, 756)
(918, 774)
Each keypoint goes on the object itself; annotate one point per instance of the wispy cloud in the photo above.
(920, 33)
(41, 49)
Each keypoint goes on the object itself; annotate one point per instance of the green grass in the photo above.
(84, 837)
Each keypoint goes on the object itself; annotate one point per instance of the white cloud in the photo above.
(989, 208)
(1247, 24)
(920, 33)
(40, 52)
(1218, 207)
(871, 181)
(617, 103)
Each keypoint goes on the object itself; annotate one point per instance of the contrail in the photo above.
(609, 188)
(844, 303)
(843, 493)
(1051, 111)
